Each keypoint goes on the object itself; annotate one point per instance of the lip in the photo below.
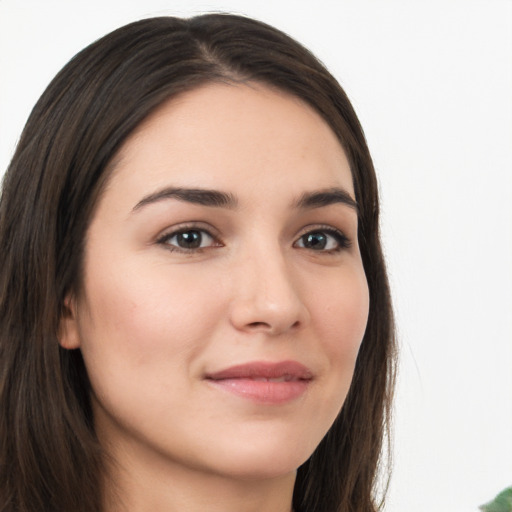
(264, 382)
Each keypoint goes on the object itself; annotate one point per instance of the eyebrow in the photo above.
(219, 199)
(203, 197)
(321, 198)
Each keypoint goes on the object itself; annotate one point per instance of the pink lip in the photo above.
(269, 383)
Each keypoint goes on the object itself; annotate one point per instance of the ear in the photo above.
(68, 334)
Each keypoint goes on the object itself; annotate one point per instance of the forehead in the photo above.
(229, 135)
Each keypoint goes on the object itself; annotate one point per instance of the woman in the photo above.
(194, 306)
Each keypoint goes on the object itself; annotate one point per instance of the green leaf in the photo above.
(502, 502)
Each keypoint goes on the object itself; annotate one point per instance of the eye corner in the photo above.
(188, 239)
(323, 240)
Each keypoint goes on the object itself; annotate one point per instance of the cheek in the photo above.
(138, 316)
(342, 318)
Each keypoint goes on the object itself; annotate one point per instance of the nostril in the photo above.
(259, 325)
(268, 327)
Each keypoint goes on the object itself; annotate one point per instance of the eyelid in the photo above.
(188, 226)
(344, 242)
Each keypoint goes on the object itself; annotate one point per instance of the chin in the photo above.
(259, 462)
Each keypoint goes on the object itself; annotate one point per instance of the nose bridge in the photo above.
(267, 295)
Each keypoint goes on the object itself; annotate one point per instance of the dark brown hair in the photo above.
(50, 459)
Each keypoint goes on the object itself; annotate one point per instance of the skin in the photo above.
(155, 318)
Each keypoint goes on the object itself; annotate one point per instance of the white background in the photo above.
(432, 84)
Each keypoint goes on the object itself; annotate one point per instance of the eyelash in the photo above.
(341, 240)
(166, 237)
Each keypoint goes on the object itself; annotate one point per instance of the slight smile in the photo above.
(264, 382)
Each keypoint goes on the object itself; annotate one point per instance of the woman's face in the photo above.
(224, 299)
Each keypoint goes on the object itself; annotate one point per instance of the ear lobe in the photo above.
(68, 334)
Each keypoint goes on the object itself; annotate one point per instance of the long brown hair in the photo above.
(50, 459)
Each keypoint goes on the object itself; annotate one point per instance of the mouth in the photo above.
(264, 382)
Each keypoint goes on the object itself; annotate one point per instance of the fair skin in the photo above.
(182, 286)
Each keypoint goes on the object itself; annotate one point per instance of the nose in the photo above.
(267, 296)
